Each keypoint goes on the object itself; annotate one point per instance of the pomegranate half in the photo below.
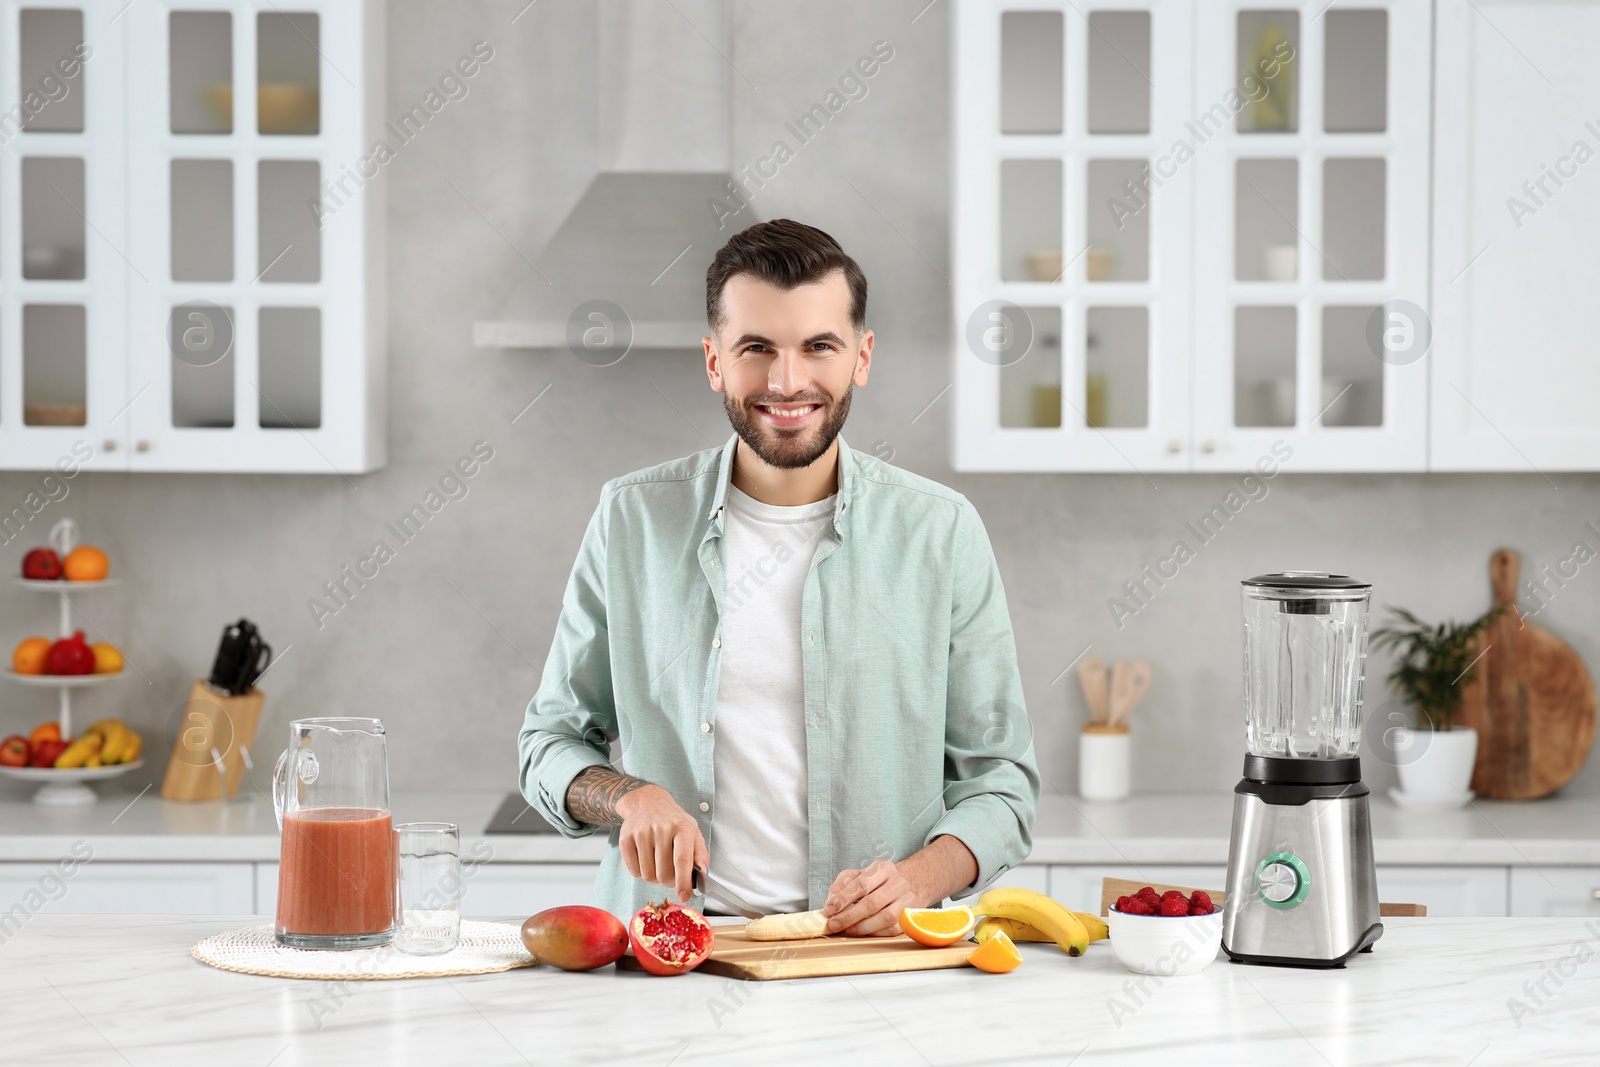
(575, 938)
(670, 938)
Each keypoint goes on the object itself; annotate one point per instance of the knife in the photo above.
(707, 886)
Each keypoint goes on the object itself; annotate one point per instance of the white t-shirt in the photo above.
(760, 832)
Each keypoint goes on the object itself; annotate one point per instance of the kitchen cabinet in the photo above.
(487, 889)
(101, 887)
(193, 279)
(1516, 207)
(1447, 891)
(1079, 887)
(1191, 236)
(1549, 891)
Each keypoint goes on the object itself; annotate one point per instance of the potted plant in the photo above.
(1435, 666)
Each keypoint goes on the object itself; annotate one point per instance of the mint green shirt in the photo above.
(914, 715)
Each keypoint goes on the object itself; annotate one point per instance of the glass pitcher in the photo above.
(337, 863)
(1305, 647)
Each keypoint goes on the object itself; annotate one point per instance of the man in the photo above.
(802, 653)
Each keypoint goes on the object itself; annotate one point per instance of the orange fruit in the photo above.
(45, 731)
(937, 927)
(996, 955)
(29, 658)
(85, 564)
(107, 658)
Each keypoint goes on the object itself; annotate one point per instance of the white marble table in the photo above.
(85, 991)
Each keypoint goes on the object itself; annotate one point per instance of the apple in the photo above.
(14, 751)
(41, 564)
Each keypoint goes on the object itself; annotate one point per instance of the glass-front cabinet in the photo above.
(1185, 233)
(188, 294)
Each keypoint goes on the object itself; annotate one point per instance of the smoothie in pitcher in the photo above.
(337, 875)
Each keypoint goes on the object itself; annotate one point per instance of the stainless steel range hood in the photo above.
(643, 232)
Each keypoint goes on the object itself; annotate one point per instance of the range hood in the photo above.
(642, 233)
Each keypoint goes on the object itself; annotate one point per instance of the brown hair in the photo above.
(786, 254)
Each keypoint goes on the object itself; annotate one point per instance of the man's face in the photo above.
(786, 361)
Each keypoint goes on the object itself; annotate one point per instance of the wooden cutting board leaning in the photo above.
(1531, 700)
(736, 956)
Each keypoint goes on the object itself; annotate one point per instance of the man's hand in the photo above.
(868, 902)
(660, 842)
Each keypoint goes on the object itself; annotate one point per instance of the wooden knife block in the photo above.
(212, 720)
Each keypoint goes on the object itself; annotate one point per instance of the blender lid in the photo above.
(1306, 580)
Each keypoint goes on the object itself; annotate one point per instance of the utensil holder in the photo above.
(212, 749)
(1103, 762)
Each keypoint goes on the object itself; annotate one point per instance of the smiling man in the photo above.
(801, 653)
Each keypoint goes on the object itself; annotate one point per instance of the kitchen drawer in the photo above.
(1447, 891)
(487, 889)
(105, 888)
(1079, 887)
(1550, 891)
(1036, 877)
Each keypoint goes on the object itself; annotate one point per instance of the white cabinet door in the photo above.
(1310, 146)
(1550, 891)
(1070, 258)
(106, 888)
(1516, 211)
(64, 269)
(523, 889)
(255, 336)
(1446, 891)
(1079, 887)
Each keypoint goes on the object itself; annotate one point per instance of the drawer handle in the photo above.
(1594, 894)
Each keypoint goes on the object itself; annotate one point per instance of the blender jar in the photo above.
(1305, 649)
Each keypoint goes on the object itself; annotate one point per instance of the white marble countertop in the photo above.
(121, 990)
(1151, 828)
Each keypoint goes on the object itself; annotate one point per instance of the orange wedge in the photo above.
(937, 927)
(996, 955)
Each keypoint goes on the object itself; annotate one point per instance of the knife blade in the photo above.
(708, 887)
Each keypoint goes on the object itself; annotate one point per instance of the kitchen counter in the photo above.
(1151, 828)
(90, 990)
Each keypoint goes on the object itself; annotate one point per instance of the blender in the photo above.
(1302, 887)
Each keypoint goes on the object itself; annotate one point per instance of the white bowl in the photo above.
(1165, 945)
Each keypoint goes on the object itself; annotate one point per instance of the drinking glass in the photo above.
(430, 887)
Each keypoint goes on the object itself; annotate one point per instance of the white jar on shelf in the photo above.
(1103, 762)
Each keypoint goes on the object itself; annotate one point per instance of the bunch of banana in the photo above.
(104, 744)
(1018, 930)
(1044, 919)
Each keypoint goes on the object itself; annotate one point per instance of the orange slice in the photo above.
(937, 927)
(996, 955)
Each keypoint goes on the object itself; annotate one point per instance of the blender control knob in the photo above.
(1282, 880)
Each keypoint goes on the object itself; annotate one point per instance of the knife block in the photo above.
(213, 740)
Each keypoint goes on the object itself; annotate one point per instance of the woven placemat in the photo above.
(484, 949)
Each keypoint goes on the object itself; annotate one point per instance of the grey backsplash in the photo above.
(446, 644)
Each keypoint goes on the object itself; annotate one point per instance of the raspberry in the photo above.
(1173, 906)
(1200, 903)
(1149, 896)
(1138, 906)
(1122, 903)
(1174, 894)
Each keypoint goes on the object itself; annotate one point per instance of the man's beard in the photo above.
(789, 449)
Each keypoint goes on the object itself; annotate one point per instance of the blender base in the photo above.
(1368, 940)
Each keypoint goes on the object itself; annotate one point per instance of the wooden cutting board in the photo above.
(736, 956)
(1530, 699)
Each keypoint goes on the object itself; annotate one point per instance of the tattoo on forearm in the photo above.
(592, 797)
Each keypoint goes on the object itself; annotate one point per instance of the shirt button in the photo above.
(704, 806)
(705, 728)
(716, 642)
(812, 637)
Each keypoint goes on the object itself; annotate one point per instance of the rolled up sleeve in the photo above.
(991, 791)
(572, 718)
